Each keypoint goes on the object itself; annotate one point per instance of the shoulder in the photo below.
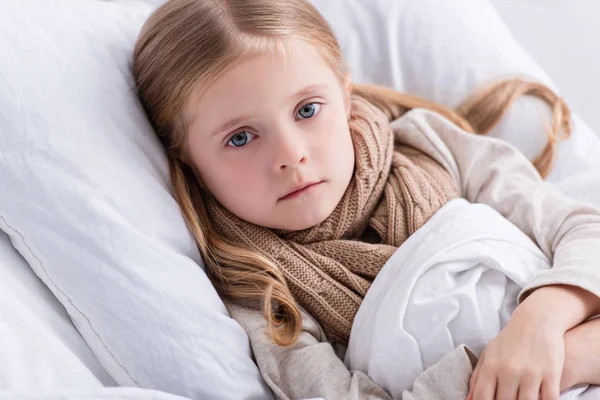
(252, 320)
(440, 137)
(427, 132)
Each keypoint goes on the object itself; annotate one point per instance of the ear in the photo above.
(347, 83)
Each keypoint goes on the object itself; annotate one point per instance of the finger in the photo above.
(529, 389)
(485, 388)
(508, 386)
(550, 389)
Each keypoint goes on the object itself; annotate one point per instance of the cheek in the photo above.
(336, 146)
(345, 156)
(238, 186)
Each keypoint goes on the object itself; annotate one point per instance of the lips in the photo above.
(300, 189)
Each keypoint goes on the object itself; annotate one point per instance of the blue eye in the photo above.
(309, 110)
(240, 139)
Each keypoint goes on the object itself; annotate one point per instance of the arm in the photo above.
(492, 172)
(582, 355)
(310, 368)
(527, 357)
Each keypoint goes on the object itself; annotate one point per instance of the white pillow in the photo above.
(41, 350)
(85, 199)
(443, 50)
(105, 393)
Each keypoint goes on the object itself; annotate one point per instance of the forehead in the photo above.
(263, 82)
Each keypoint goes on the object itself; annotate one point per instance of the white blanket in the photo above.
(454, 281)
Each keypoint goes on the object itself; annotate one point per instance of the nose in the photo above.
(290, 150)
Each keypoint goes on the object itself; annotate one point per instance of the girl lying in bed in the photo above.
(298, 191)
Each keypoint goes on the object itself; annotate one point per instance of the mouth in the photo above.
(302, 189)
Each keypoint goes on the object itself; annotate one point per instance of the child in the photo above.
(297, 191)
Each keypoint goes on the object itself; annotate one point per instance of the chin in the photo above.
(304, 224)
(301, 221)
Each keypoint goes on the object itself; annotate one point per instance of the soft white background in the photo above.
(563, 37)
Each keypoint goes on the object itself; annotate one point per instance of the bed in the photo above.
(59, 335)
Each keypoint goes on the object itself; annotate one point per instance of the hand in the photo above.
(582, 355)
(526, 359)
(523, 362)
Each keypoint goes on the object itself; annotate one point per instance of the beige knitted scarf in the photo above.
(329, 267)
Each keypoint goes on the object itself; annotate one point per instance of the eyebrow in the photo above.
(229, 124)
(308, 90)
(237, 120)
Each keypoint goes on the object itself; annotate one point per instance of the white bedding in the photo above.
(39, 347)
(113, 393)
(42, 347)
(455, 281)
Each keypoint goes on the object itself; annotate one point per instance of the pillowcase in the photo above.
(86, 201)
(41, 350)
(444, 50)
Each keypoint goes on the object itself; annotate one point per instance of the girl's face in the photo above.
(269, 127)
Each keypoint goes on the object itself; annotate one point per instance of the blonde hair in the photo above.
(186, 44)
